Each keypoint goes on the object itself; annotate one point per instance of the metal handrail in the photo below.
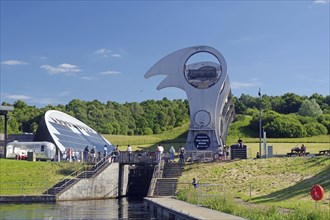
(83, 174)
(158, 173)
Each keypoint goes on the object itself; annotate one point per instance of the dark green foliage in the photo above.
(278, 125)
(148, 117)
(314, 129)
(280, 116)
(325, 120)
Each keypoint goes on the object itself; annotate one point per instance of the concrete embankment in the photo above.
(27, 198)
(167, 208)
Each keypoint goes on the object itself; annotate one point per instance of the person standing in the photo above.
(194, 183)
(93, 154)
(160, 150)
(105, 151)
(129, 151)
(86, 152)
(182, 151)
(172, 154)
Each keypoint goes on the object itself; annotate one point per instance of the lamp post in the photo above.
(260, 121)
(4, 111)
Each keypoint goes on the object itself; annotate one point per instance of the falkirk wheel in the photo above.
(207, 86)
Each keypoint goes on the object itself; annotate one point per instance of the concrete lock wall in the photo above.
(102, 186)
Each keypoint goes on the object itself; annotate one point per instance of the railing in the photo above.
(204, 190)
(199, 156)
(158, 173)
(72, 178)
(136, 157)
(36, 188)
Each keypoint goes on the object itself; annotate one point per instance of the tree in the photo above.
(309, 107)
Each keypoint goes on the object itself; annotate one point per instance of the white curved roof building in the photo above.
(66, 131)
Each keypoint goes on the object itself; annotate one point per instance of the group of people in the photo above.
(92, 155)
(172, 153)
(223, 152)
(301, 151)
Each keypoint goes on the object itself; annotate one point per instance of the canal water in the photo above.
(124, 208)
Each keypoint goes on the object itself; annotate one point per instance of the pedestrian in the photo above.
(194, 183)
(160, 150)
(182, 151)
(224, 153)
(86, 152)
(129, 150)
(240, 143)
(93, 154)
(116, 153)
(172, 154)
(105, 151)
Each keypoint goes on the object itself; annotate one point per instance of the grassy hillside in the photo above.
(276, 182)
(24, 177)
(238, 129)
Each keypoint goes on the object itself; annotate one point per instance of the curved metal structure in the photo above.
(66, 132)
(208, 90)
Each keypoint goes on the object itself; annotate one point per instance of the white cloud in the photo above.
(321, 2)
(102, 51)
(110, 72)
(62, 68)
(86, 77)
(238, 85)
(13, 62)
(18, 97)
(116, 55)
(106, 53)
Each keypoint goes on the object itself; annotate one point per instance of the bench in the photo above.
(297, 154)
(324, 152)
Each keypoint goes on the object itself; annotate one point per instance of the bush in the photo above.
(325, 120)
(314, 129)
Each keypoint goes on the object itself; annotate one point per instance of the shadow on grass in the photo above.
(301, 188)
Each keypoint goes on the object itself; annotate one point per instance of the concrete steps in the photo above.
(172, 170)
(166, 186)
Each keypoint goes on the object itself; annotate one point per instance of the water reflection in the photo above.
(90, 209)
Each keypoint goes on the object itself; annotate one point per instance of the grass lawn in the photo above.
(272, 183)
(19, 177)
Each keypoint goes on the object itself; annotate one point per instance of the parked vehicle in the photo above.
(42, 150)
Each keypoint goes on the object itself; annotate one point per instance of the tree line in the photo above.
(289, 115)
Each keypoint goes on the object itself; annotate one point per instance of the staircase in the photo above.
(76, 176)
(166, 186)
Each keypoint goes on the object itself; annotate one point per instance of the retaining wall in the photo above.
(102, 186)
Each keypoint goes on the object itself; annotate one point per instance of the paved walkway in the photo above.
(190, 210)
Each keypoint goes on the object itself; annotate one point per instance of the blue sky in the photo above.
(54, 51)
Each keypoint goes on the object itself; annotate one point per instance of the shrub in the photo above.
(314, 129)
